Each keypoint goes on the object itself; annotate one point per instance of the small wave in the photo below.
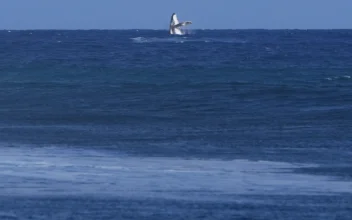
(154, 40)
(7, 215)
(185, 39)
(345, 77)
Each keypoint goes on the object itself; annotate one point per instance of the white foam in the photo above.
(55, 171)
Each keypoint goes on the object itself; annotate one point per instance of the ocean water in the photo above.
(137, 124)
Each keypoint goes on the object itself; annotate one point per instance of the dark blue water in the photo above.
(230, 124)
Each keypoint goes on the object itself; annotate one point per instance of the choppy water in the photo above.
(249, 124)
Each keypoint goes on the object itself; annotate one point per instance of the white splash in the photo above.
(186, 39)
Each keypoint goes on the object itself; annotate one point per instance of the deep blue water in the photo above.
(137, 124)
